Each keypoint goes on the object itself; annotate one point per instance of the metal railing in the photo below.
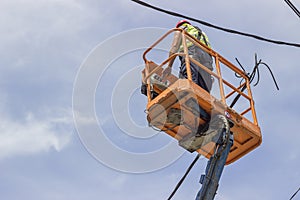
(247, 94)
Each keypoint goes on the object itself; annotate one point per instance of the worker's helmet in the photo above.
(182, 22)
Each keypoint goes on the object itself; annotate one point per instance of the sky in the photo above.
(72, 117)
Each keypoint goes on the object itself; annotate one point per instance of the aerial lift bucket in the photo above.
(185, 111)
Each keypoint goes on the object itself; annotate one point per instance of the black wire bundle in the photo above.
(251, 77)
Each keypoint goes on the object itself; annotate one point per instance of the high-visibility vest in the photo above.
(195, 33)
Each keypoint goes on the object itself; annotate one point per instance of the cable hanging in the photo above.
(252, 76)
(215, 26)
(184, 176)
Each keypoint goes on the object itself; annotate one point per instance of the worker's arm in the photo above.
(174, 49)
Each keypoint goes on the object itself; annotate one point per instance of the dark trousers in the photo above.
(199, 76)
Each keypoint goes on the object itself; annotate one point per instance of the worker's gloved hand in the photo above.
(166, 72)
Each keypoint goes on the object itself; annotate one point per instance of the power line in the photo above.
(184, 176)
(289, 3)
(215, 26)
(295, 193)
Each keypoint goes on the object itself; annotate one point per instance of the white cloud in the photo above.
(39, 18)
(31, 30)
(33, 135)
(43, 37)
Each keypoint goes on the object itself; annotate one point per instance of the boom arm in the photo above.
(216, 163)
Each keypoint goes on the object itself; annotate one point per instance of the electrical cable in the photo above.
(244, 87)
(271, 75)
(295, 193)
(251, 77)
(215, 26)
(184, 176)
(241, 67)
(289, 3)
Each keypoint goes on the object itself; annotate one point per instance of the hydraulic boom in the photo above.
(215, 165)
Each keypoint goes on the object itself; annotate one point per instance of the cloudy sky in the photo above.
(72, 119)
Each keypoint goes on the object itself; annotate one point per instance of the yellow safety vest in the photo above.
(195, 33)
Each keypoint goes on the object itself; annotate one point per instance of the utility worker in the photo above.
(199, 76)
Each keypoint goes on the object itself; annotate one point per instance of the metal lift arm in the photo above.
(216, 163)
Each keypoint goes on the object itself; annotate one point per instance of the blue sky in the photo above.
(47, 44)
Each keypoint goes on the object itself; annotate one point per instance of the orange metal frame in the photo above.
(181, 92)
